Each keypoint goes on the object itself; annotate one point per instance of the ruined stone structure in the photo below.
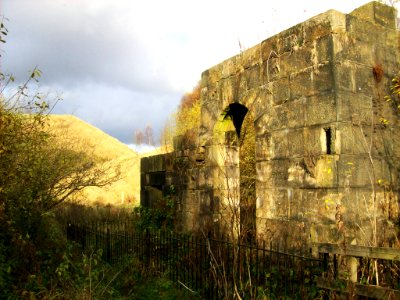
(322, 139)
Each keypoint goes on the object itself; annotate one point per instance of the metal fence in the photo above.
(211, 268)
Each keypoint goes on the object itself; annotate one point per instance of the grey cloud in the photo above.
(70, 47)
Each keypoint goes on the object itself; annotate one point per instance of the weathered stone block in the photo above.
(280, 90)
(252, 77)
(273, 173)
(279, 144)
(322, 77)
(295, 143)
(189, 178)
(144, 164)
(252, 99)
(273, 69)
(326, 171)
(362, 30)
(344, 78)
(296, 113)
(389, 59)
(291, 39)
(281, 202)
(188, 222)
(314, 204)
(269, 49)
(378, 13)
(261, 124)
(265, 174)
(348, 49)
(324, 49)
(151, 196)
(263, 147)
(312, 141)
(364, 80)
(299, 59)
(231, 66)
(251, 57)
(207, 124)
(318, 27)
(241, 84)
(204, 198)
(320, 110)
(191, 203)
(274, 203)
(354, 107)
(312, 81)
(296, 204)
(278, 117)
(356, 171)
(169, 161)
(296, 173)
(301, 84)
(228, 90)
(153, 163)
(388, 56)
(385, 15)
(212, 95)
(204, 178)
(351, 139)
(212, 75)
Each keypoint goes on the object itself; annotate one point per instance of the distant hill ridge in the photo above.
(85, 137)
(105, 145)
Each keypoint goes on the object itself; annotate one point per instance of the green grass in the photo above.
(161, 288)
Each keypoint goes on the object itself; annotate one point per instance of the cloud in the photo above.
(73, 43)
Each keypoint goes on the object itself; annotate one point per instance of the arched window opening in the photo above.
(236, 112)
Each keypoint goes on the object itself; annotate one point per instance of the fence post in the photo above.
(353, 262)
(108, 245)
(147, 247)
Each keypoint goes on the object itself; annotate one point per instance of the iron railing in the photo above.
(210, 267)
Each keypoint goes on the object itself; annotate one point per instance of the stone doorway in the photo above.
(247, 166)
(239, 164)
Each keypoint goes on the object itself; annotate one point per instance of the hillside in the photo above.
(81, 136)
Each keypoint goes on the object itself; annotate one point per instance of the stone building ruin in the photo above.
(322, 140)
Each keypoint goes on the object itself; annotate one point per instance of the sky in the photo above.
(121, 65)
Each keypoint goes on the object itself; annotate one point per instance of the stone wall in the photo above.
(326, 139)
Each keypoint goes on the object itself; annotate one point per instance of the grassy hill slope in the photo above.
(82, 136)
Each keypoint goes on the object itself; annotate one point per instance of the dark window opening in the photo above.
(236, 112)
(328, 135)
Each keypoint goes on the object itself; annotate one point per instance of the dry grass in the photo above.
(81, 136)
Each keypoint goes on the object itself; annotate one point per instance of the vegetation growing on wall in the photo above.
(186, 120)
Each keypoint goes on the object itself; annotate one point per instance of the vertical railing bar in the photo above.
(285, 278)
(335, 267)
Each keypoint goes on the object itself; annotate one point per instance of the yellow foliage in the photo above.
(186, 118)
